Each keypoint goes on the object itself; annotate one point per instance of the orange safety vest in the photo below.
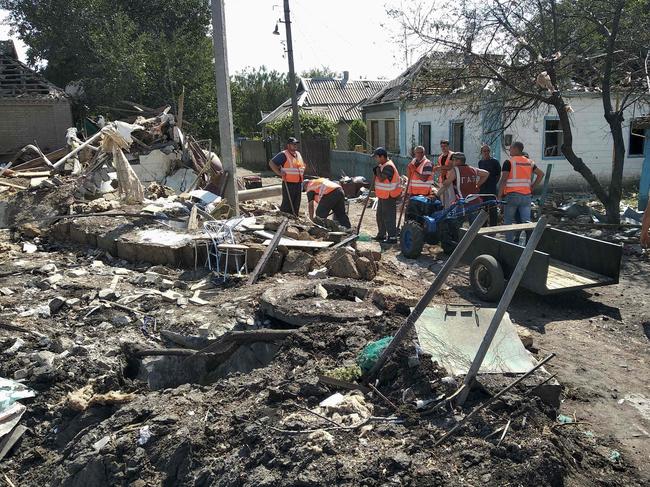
(443, 174)
(293, 169)
(321, 187)
(388, 189)
(520, 175)
(418, 185)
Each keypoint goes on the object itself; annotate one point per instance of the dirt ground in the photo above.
(254, 420)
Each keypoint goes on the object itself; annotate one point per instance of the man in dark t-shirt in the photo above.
(493, 167)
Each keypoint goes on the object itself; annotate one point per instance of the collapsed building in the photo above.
(149, 336)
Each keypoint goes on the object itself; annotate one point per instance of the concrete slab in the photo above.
(453, 334)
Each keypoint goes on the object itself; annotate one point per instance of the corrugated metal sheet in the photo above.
(332, 98)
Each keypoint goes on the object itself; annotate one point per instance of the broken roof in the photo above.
(17, 80)
(333, 98)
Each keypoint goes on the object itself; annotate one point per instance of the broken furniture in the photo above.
(229, 255)
(220, 232)
(562, 262)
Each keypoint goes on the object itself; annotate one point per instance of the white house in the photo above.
(427, 120)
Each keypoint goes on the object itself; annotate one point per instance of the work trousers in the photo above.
(291, 196)
(516, 210)
(333, 202)
(387, 217)
(493, 212)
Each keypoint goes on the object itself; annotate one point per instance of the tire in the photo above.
(411, 239)
(486, 277)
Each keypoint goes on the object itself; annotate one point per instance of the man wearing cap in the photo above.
(388, 191)
(328, 197)
(289, 165)
(446, 195)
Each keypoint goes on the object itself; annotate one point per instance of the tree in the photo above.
(254, 91)
(357, 134)
(322, 72)
(144, 51)
(519, 56)
(311, 126)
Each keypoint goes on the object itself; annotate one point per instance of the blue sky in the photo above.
(352, 35)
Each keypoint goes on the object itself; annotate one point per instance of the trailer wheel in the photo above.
(411, 239)
(486, 277)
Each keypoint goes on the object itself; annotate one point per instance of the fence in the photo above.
(255, 154)
(351, 163)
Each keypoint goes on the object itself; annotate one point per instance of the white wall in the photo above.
(592, 140)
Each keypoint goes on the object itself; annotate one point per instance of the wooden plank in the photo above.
(16, 186)
(562, 275)
(306, 244)
(346, 241)
(273, 243)
(506, 228)
(266, 234)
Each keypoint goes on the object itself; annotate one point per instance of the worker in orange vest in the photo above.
(516, 186)
(328, 197)
(447, 196)
(289, 165)
(420, 174)
(388, 191)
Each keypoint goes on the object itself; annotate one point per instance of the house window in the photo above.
(457, 136)
(425, 137)
(637, 141)
(553, 138)
(507, 140)
(389, 135)
(374, 133)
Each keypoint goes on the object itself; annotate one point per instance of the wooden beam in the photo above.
(305, 244)
(345, 241)
(507, 228)
(260, 193)
(266, 255)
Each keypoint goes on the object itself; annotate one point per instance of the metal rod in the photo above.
(363, 212)
(406, 195)
(491, 400)
(437, 283)
(504, 302)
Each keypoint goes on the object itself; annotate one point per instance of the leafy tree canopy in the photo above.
(322, 72)
(311, 125)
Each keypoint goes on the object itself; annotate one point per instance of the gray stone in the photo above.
(53, 279)
(108, 294)
(370, 250)
(166, 284)
(171, 296)
(318, 273)
(72, 301)
(297, 262)
(342, 264)
(61, 344)
(44, 358)
(48, 269)
(56, 304)
(121, 320)
(77, 273)
(21, 374)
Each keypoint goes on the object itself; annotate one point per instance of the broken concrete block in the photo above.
(108, 294)
(56, 304)
(166, 284)
(29, 248)
(97, 263)
(292, 232)
(370, 250)
(342, 264)
(182, 301)
(255, 252)
(43, 358)
(297, 262)
(121, 271)
(61, 344)
(196, 299)
(53, 279)
(21, 374)
(47, 269)
(5, 291)
(367, 268)
(171, 296)
(72, 301)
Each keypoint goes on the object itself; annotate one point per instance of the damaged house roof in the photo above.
(333, 98)
(17, 80)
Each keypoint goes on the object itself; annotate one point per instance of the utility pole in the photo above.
(292, 72)
(224, 104)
